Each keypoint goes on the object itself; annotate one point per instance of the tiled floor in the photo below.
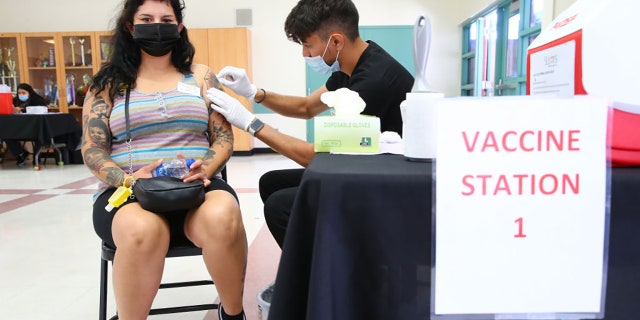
(49, 253)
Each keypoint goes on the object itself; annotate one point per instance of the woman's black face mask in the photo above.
(156, 39)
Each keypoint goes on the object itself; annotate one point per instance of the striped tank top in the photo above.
(162, 124)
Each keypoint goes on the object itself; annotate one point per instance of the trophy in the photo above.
(12, 68)
(10, 63)
(71, 90)
(86, 78)
(72, 41)
(9, 50)
(52, 57)
(81, 40)
(1, 66)
(48, 85)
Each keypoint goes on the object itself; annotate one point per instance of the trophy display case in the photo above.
(59, 66)
(78, 64)
(10, 62)
(41, 57)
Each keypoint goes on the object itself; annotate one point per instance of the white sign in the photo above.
(520, 201)
(553, 70)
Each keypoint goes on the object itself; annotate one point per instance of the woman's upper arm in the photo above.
(95, 129)
(219, 128)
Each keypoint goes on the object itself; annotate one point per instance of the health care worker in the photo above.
(328, 33)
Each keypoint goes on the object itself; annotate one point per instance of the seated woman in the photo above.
(152, 60)
(26, 97)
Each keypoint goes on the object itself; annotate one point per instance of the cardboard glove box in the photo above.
(347, 134)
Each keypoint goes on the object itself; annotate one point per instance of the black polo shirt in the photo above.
(382, 83)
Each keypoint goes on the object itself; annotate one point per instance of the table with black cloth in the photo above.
(42, 129)
(358, 244)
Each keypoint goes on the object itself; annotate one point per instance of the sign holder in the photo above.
(520, 209)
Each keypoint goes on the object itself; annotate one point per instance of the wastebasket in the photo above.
(264, 301)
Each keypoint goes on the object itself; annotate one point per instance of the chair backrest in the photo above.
(224, 174)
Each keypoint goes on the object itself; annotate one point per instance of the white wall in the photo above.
(277, 62)
(561, 5)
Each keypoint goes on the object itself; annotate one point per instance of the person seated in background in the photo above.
(331, 44)
(26, 97)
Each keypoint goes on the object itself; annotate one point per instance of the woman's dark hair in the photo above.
(27, 87)
(323, 17)
(121, 69)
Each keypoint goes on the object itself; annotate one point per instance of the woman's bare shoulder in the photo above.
(200, 70)
(205, 76)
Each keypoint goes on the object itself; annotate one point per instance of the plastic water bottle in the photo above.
(175, 168)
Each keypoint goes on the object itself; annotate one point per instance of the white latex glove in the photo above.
(230, 108)
(344, 102)
(236, 79)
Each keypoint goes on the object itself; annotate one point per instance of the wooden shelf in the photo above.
(79, 68)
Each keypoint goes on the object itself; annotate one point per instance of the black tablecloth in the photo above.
(358, 244)
(41, 128)
(38, 127)
(623, 283)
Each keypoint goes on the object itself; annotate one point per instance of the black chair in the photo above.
(3, 150)
(108, 252)
(52, 149)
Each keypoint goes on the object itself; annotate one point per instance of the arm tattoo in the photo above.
(115, 176)
(222, 132)
(96, 141)
(99, 133)
(208, 159)
(99, 107)
(211, 81)
(209, 155)
(95, 158)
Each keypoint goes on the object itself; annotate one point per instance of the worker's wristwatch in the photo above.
(255, 126)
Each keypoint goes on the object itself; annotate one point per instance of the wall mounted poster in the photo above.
(521, 208)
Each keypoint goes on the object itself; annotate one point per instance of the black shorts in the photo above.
(102, 219)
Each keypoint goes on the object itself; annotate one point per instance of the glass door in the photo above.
(483, 35)
(508, 81)
(494, 48)
(521, 25)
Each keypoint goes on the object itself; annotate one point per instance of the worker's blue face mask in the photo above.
(23, 97)
(318, 64)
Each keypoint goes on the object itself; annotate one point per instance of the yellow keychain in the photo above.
(120, 195)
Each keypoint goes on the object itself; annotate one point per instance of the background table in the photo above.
(358, 244)
(41, 129)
